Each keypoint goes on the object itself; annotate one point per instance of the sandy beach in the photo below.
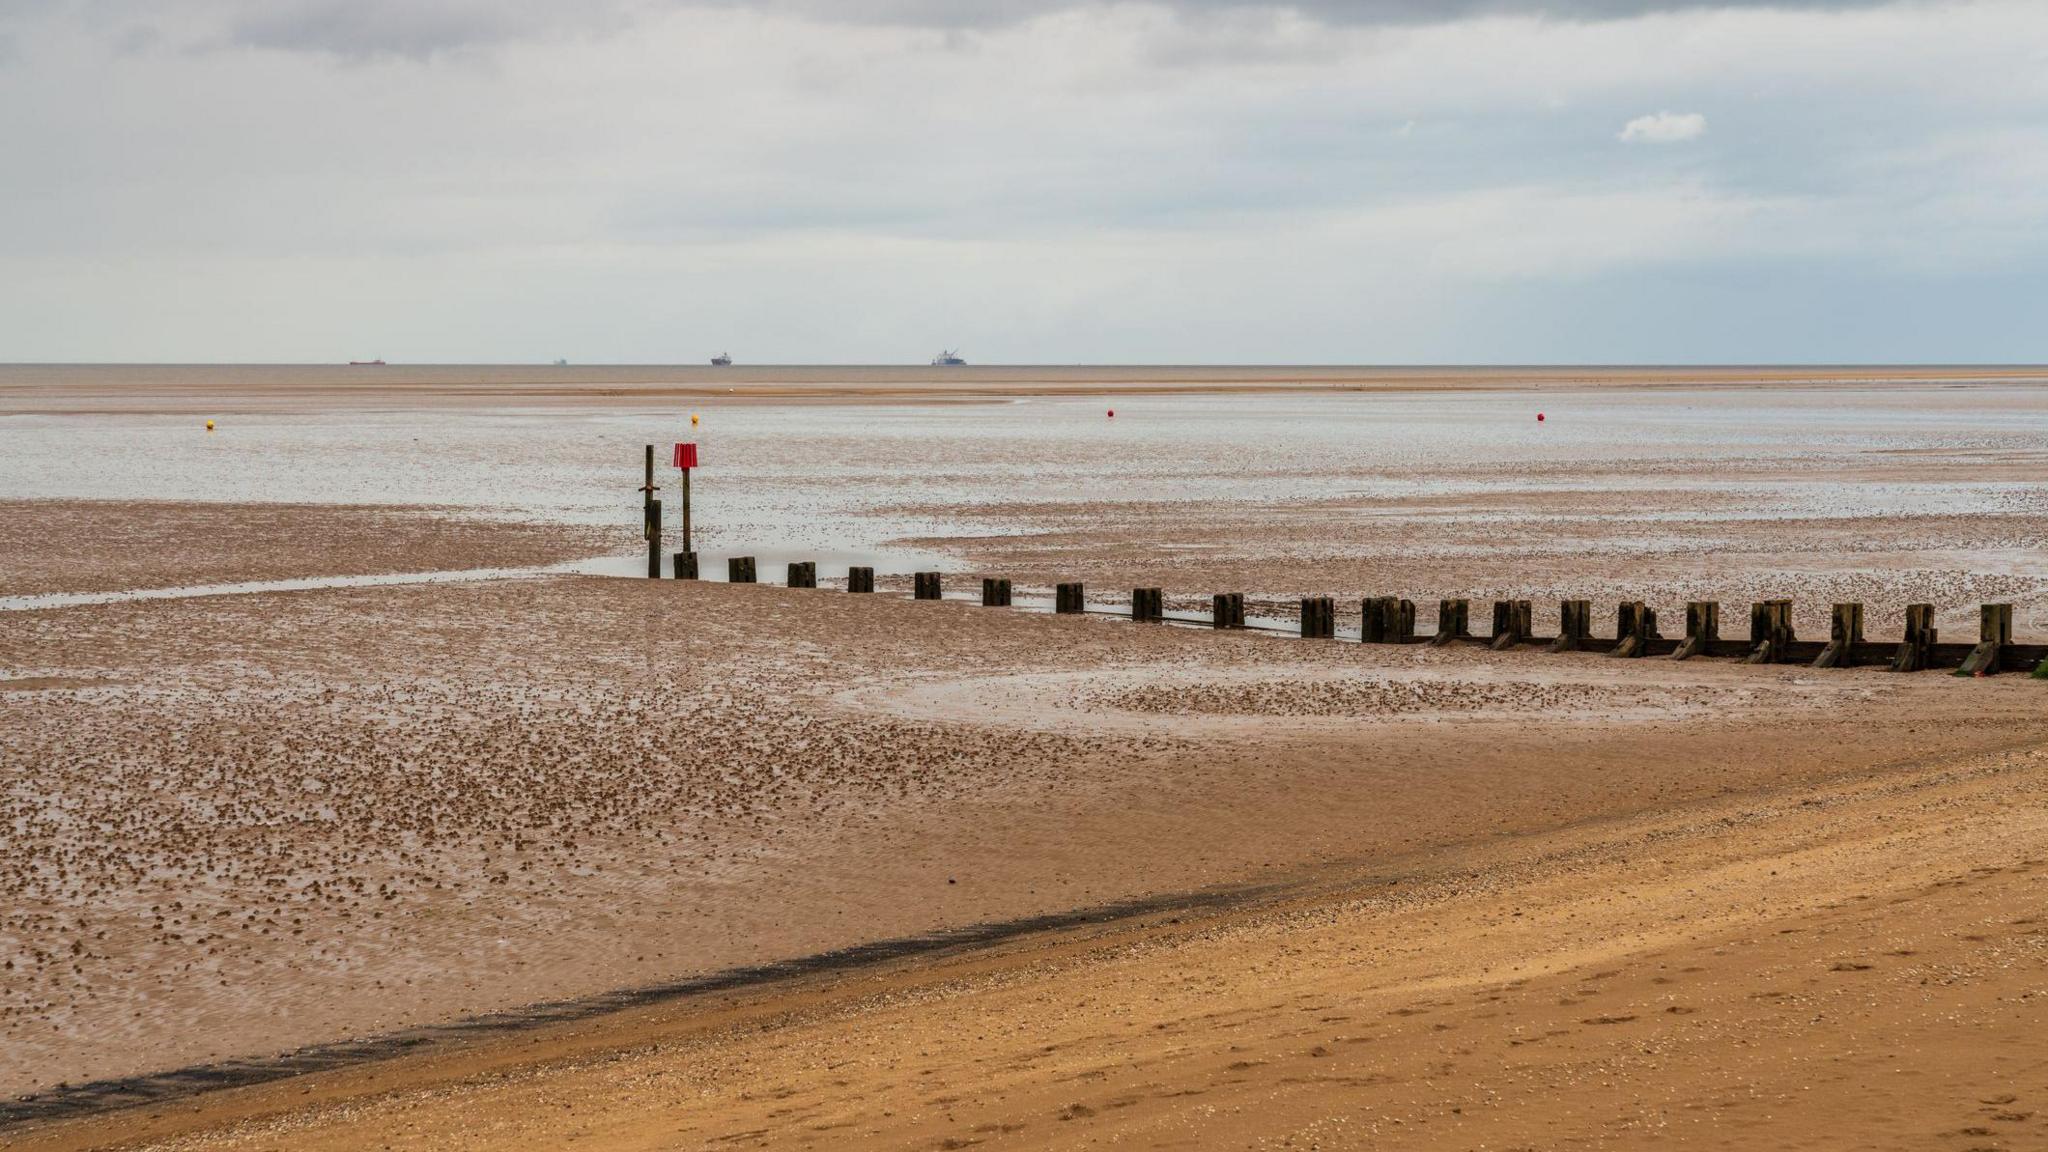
(529, 858)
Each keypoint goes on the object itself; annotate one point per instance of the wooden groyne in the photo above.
(1636, 633)
(1391, 619)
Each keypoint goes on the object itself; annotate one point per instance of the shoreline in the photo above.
(107, 390)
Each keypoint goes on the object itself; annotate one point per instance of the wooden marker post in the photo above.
(1068, 601)
(1994, 635)
(739, 570)
(1918, 644)
(860, 579)
(803, 574)
(995, 593)
(686, 459)
(925, 586)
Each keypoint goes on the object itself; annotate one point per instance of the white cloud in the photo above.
(1664, 128)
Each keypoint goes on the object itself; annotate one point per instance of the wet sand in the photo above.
(247, 823)
(53, 546)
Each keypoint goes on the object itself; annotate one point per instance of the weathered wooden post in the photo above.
(1845, 632)
(1227, 610)
(995, 593)
(1770, 632)
(1702, 629)
(1574, 625)
(860, 579)
(1918, 643)
(1994, 635)
(1453, 622)
(1068, 600)
(1386, 620)
(686, 566)
(650, 519)
(1318, 617)
(803, 574)
(1510, 623)
(739, 570)
(925, 586)
(1635, 625)
(1148, 605)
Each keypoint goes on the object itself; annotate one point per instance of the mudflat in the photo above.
(528, 857)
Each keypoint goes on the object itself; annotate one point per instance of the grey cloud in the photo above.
(423, 28)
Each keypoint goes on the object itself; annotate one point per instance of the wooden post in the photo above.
(1510, 623)
(1318, 618)
(1148, 605)
(1635, 625)
(927, 586)
(1453, 621)
(1994, 634)
(1918, 643)
(1574, 625)
(995, 593)
(651, 519)
(1386, 620)
(1227, 610)
(803, 574)
(1845, 632)
(860, 579)
(1702, 629)
(739, 570)
(687, 546)
(686, 565)
(1068, 601)
(1770, 632)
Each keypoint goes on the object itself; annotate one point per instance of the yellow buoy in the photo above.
(693, 420)
(209, 425)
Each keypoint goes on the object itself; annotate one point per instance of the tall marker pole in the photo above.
(686, 560)
(652, 514)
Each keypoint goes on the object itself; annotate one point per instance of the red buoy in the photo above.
(1112, 413)
(1539, 417)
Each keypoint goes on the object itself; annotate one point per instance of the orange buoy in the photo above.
(209, 425)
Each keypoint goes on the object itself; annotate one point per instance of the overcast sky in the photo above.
(1037, 181)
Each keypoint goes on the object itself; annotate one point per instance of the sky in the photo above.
(1028, 181)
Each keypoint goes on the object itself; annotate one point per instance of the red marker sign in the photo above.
(686, 455)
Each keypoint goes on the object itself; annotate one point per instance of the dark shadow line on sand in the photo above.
(100, 1096)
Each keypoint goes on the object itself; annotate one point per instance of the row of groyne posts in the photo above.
(1391, 620)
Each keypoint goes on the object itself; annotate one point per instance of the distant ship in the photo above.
(561, 363)
(948, 360)
(366, 363)
(722, 360)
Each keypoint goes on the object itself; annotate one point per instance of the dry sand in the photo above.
(1345, 896)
